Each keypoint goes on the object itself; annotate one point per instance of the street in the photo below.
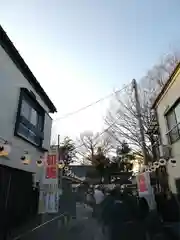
(84, 227)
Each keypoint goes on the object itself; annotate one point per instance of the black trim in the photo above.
(169, 109)
(25, 94)
(10, 49)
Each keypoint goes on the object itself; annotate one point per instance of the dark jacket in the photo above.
(106, 206)
(143, 209)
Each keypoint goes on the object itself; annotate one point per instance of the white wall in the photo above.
(167, 100)
(11, 80)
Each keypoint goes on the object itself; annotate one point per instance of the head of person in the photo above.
(116, 193)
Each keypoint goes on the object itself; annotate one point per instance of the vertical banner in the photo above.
(51, 168)
(145, 189)
(49, 194)
(142, 183)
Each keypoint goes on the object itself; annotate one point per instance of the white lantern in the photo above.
(40, 161)
(153, 169)
(156, 164)
(66, 169)
(5, 149)
(26, 158)
(61, 164)
(172, 162)
(162, 162)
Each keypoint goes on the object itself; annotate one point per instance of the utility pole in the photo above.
(59, 169)
(138, 110)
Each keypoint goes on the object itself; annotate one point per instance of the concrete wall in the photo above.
(11, 80)
(167, 100)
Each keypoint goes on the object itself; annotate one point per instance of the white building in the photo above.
(25, 123)
(167, 106)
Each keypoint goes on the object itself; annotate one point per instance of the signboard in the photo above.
(143, 182)
(145, 189)
(51, 168)
(52, 200)
(49, 192)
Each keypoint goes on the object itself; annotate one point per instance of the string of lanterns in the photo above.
(161, 163)
(5, 150)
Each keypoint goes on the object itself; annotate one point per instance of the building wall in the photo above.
(12, 80)
(166, 101)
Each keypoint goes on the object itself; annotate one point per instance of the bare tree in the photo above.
(156, 77)
(90, 144)
(122, 116)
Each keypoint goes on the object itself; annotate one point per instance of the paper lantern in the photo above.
(156, 164)
(162, 162)
(172, 162)
(40, 161)
(153, 169)
(66, 169)
(5, 149)
(61, 164)
(25, 158)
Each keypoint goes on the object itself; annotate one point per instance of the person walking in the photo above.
(98, 197)
(118, 217)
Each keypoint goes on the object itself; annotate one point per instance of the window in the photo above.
(30, 119)
(173, 123)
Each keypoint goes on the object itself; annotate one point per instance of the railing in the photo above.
(47, 230)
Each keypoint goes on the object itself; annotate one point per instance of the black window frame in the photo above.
(176, 127)
(26, 95)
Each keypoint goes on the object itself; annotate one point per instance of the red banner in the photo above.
(51, 169)
(142, 183)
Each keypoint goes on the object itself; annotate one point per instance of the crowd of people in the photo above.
(124, 215)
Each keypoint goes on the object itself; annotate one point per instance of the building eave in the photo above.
(167, 84)
(13, 53)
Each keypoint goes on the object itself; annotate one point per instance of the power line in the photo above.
(100, 134)
(90, 105)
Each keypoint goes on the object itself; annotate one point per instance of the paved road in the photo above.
(55, 230)
(85, 227)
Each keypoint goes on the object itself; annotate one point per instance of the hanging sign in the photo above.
(143, 182)
(51, 167)
(49, 184)
(52, 199)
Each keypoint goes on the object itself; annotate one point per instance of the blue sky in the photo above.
(80, 50)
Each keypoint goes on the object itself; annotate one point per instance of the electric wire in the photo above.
(91, 104)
